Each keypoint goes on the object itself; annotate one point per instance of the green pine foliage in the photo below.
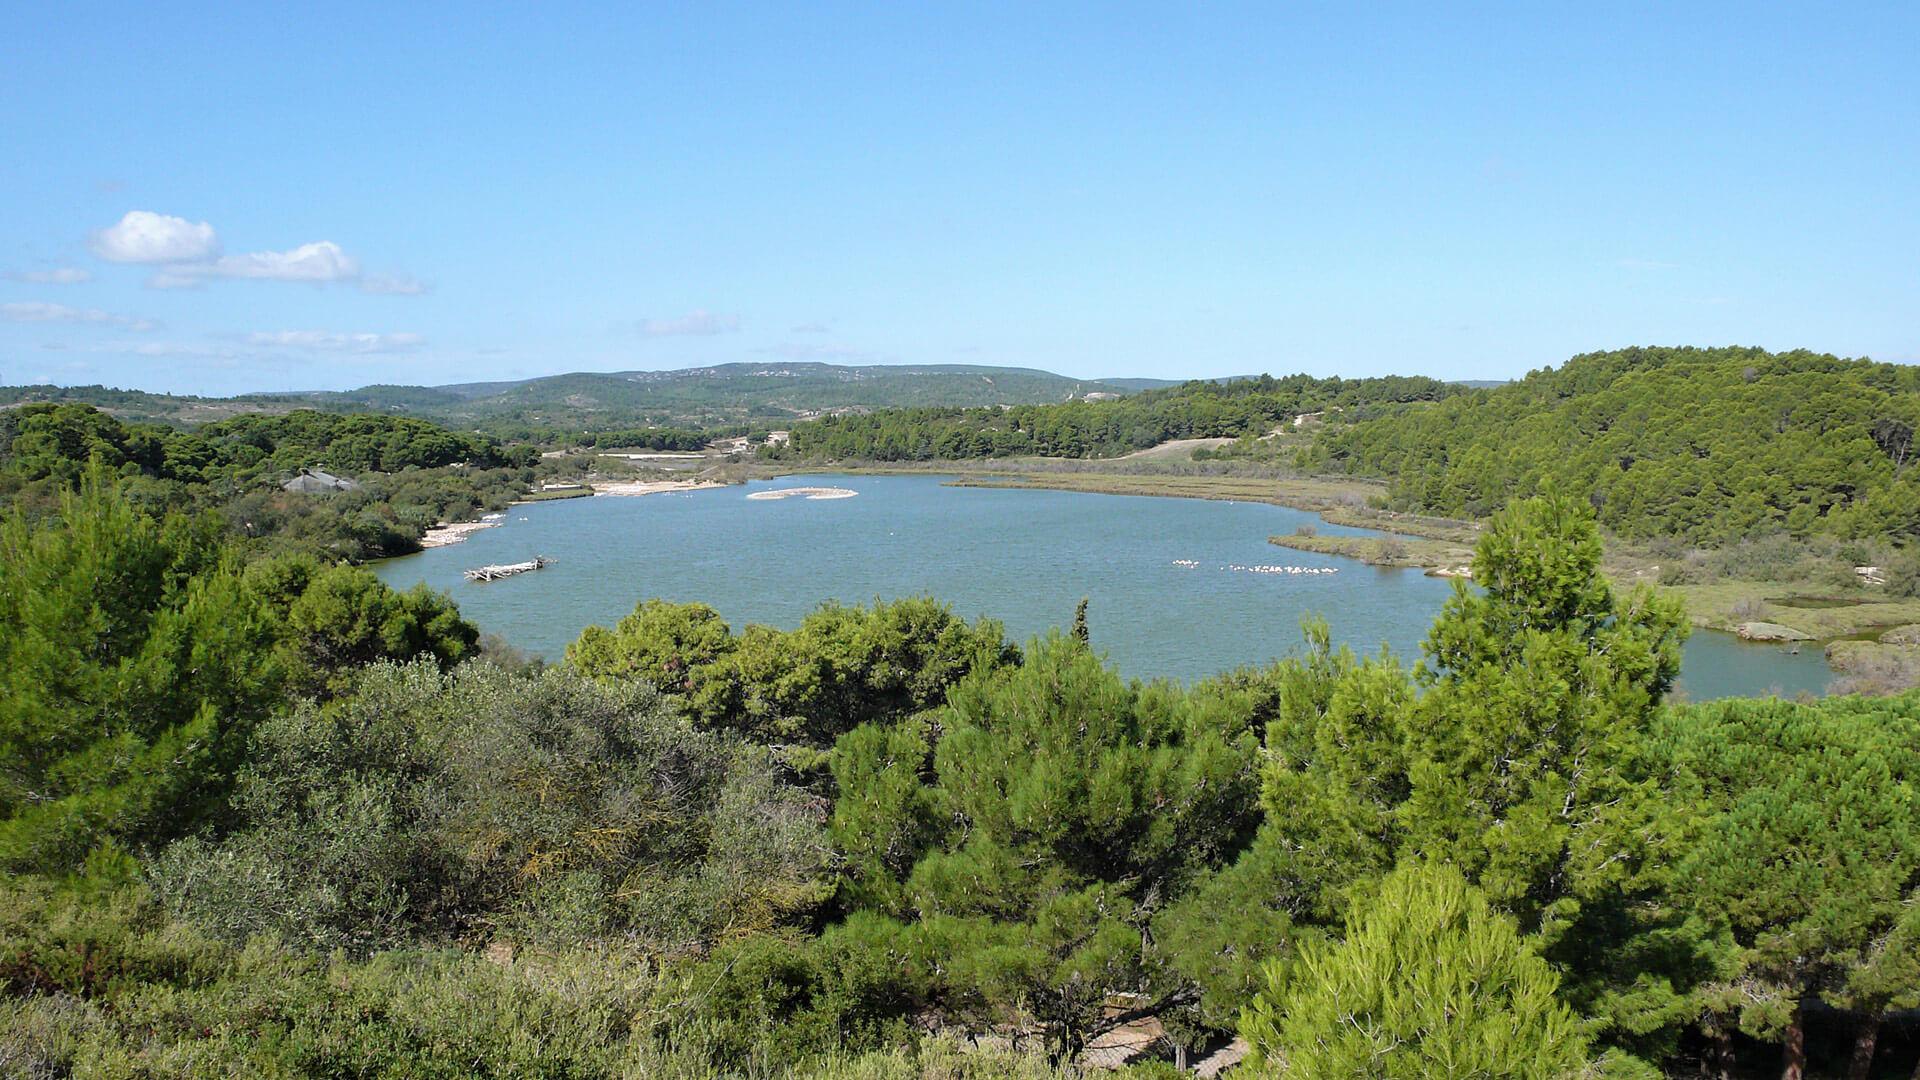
(1711, 445)
(1428, 981)
(1805, 854)
(1027, 834)
(1513, 752)
(137, 655)
(133, 662)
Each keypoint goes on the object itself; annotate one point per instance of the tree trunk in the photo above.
(1864, 1042)
(1794, 1054)
(1724, 1056)
(1180, 1056)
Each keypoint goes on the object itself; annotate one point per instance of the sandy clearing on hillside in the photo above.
(1173, 448)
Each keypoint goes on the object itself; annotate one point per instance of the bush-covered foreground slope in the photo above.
(270, 818)
(1710, 445)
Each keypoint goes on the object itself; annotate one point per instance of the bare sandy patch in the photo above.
(454, 532)
(1173, 448)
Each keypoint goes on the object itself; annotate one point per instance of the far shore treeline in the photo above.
(261, 814)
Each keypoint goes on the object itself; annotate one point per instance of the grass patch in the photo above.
(1382, 550)
(1301, 494)
(1723, 604)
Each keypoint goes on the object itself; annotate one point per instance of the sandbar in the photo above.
(805, 493)
(653, 487)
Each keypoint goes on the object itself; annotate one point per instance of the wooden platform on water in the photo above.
(500, 570)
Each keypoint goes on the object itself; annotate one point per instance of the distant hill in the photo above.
(726, 394)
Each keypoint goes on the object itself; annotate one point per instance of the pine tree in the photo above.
(1429, 981)
(1806, 853)
(132, 663)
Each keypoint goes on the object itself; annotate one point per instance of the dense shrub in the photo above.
(430, 807)
(843, 667)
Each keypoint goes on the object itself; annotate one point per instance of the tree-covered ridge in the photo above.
(1713, 445)
(1092, 429)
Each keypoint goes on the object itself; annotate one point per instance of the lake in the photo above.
(1182, 588)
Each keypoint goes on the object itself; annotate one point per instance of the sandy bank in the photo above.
(442, 535)
(805, 493)
(652, 487)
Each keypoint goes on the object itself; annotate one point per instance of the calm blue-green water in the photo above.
(1023, 557)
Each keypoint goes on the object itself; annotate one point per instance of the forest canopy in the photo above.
(1711, 445)
(1094, 429)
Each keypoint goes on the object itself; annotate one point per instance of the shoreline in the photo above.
(448, 533)
(453, 532)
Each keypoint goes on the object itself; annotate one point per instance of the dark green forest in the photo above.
(1091, 429)
(410, 473)
(260, 815)
(1710, 445)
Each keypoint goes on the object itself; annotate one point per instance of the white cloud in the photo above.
(186, 255)
(693, 323)
(40, 311)
(143, 236)
(335, 342)
(811, 328)
(60, 275)
(320, 263)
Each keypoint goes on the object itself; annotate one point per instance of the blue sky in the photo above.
(221, 199)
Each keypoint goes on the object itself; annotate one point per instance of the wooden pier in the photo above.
(500, 570)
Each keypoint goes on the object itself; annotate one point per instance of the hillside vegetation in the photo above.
(766, 395)
(410, 473)
(1092, 429)
(1709, 445)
